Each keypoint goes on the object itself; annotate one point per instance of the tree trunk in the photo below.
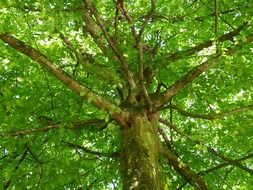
(140, 168)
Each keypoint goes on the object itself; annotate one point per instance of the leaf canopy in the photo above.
(52, 138)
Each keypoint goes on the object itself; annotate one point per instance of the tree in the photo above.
(126, 95)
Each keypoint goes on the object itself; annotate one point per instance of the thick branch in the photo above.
(97, 100)
(185, 53)
(189, 176)
(94, 30)
(212, 116)
(129, 76)
(186, 79)
(197, 71)
(141, 77)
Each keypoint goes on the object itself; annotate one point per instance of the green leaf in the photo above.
(107, 118)
(82, 93)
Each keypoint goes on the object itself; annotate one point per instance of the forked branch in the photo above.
(179, 85)
(125, 13)
(129, 76)
(147, 17)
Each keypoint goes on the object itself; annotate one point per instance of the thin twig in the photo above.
(147, 18)
(225, 164)
(216, 24)
(22, 158)
(86, 150)
(216, 16)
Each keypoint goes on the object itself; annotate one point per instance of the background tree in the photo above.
(126, 94)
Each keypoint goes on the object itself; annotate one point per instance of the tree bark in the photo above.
(140, 168)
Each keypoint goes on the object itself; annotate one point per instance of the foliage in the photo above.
(52, 138)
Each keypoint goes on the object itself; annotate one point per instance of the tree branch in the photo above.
(216, 16)
(97, 100)
(8, 182)
(174, 89)
(179, 18)
(165, 138)
(180, 84)
(141, 77)
(28, 131)
(173, 159)
(94, 30)
(230, 161)
(86, 150)
(122, 9)
(31, 8)
(33, 155)
(98, 124)
(185, 53)
(147, 17)
(211, 150)
(89, 64)
(212, 116)
(225, 164)
(189, 176)
(129, 76)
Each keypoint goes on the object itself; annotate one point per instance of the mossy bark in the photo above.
(140, 153)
